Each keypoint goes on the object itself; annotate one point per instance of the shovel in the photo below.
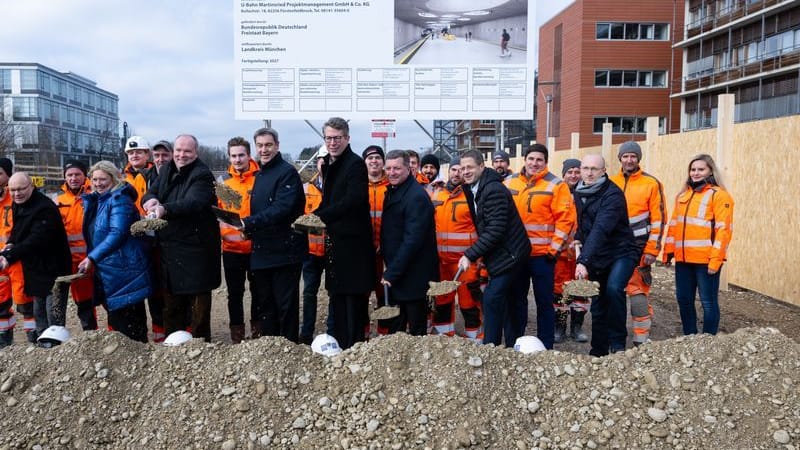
(444, 287)
(386, 311)
(582, 287)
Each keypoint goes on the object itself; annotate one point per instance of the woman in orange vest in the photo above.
(699, 233)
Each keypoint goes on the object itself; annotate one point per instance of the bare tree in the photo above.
(6, 135)
(216, 158)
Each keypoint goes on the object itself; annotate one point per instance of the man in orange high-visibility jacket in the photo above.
(70, 205)
(545, 206)
(12, 288)
(455, 232)
(374, 158)
(413, 160)
(236, 249)
(141, 173)
(314, 263)
(644, 195)
(430, 168)
(572, 308)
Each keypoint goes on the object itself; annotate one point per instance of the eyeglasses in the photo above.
(592, 169)
(12, 190)
(333, 138)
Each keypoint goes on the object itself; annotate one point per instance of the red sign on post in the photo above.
(383, 128)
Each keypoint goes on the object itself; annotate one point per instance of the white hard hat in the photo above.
(528, 344)
(325, 344)
(136, 143)
(177, 338)
(54, 335)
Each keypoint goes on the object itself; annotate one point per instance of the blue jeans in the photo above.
(690, 278)
(609, 309)
(541, 272)
(498, 301)
(313, 266)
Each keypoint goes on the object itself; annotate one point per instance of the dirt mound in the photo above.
(101, 390)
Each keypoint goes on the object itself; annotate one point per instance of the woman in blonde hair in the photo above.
(121, 265)
(699, 233)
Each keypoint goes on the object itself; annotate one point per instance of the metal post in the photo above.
(549, 99)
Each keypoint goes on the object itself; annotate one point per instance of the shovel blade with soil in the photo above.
(436, 288)
(142, 226)
(309, 222)
(386, 311)
(228, 195)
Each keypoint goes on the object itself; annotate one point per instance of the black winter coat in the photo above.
(39, 240)
(502, 240)
(603, 227)
(190, 243)
(276, 201)
(408, 240)
(349, 252)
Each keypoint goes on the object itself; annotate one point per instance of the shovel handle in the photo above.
(458, 274)
(578, 246)
(385, 295)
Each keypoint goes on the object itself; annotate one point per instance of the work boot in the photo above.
(237, 333)
(255, 329)
(576, 326)
(561, 326)
(6, 338)
(32, 336)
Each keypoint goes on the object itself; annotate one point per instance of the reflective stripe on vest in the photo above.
(75, 237)
(539, 227)
(693, 243)
(233, 237)
(78, 249)
(452, 248)
(694, 221)
(472, 236)
(376, 214)
(540, 241)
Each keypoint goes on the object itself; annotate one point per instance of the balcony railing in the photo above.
(726, 15)
(779, 60)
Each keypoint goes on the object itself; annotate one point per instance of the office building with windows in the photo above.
(749, 48)
(608, 61)
(47, 117)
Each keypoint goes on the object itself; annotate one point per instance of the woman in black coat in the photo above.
(349, 253)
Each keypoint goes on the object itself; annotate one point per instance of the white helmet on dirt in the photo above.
(54, 335)
(177, 338)
(325, 344)
(528, 344)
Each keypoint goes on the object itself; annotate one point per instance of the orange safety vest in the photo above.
(455, 231)
(546, 208)
(644, 195)
(701, 226)
(71, 208)
(421, 178)
(316, 242)
(232, 239)
(377, 192)
(138, 180)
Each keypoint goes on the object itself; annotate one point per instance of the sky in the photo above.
(170, 63)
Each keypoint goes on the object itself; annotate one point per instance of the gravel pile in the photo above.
(101, 390)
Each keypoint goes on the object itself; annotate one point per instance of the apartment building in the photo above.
(749, 48)
(608, 61)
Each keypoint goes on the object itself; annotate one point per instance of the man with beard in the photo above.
(70, 205)
(608, 253)
(500, 163)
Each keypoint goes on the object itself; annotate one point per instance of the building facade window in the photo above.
(25, 108)
(625, 124)
(632, 31)
(27, 79)
(630, 78)
(44, 83)
(5, 81)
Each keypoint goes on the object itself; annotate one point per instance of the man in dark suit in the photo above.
(408, 240)
(39, 241)
(349, 253)
(190, 244)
